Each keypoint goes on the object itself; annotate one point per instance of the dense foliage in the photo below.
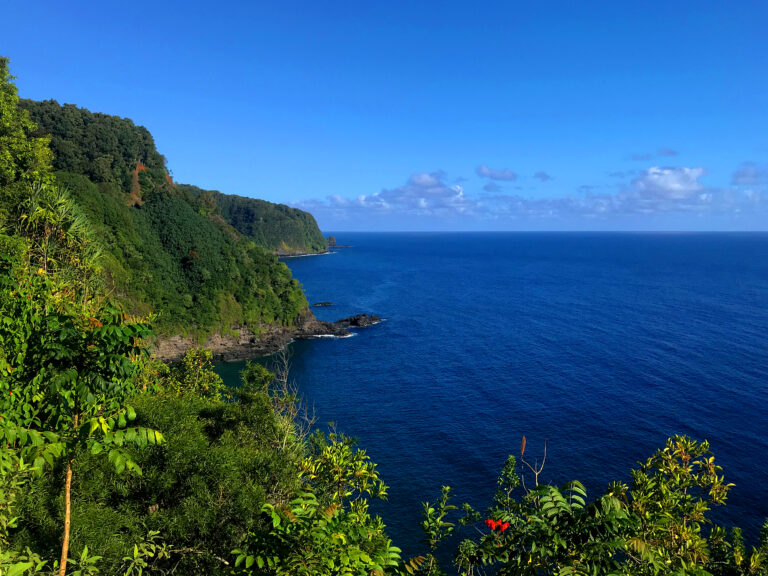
(24, 159)
(104, 148)
(657, 525)
(67, 360)
(278, 227)
(199, 275)
(201, 490)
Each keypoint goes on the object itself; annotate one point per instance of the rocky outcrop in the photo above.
(313, 328)
(358, 321)
(243, 344)
(319, 328)
(240, 344)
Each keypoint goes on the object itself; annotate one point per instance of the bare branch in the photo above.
(536, 469)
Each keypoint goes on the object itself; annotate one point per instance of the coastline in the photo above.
(241, 343)
(246, 345)
(303, 254)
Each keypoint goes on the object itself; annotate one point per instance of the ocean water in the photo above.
(600, 345)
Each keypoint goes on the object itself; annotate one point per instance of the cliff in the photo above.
(170, 247)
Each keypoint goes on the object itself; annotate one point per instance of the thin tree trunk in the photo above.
(65, 543)
(67, 510)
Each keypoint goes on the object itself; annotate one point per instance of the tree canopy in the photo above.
(23, 158)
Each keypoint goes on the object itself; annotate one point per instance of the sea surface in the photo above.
(599, 345)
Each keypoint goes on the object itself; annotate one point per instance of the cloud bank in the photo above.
(652, 192)
(424, 194)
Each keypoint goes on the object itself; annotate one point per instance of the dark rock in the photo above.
(322, 304)
(242, 344)
(317, 328)
(358, 321)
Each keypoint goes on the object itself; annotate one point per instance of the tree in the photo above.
(670, 497)
(66, 372)
(23, 158)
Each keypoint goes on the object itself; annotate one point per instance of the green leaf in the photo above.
(19, 568)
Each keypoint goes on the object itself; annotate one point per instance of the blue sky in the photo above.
(432, 115)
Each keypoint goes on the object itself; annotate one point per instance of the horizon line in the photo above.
(544, 232)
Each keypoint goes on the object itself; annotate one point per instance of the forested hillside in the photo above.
(278, 227)
(170, 248)
(104, 148)
(107, 149)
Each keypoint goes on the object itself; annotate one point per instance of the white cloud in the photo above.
(424, 180)
(669, 183)
(423, 194)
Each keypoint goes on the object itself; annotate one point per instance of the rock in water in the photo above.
(358, 321)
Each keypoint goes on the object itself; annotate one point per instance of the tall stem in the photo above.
(65, 542)
(67, 515)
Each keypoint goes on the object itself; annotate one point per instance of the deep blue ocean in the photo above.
(601, 345)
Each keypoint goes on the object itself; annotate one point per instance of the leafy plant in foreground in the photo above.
(654, 527)
(66, 360)
(326, 527)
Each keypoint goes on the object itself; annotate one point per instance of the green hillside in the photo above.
(104, 148)
(278, 227)
(166, 248)
(107, 149)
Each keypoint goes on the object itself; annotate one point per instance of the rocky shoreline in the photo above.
(243, 344)
(286, 255)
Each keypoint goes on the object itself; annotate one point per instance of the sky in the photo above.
(431, 115)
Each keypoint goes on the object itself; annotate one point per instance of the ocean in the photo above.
(599, 345)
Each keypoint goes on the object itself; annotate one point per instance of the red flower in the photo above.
(494, 524)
